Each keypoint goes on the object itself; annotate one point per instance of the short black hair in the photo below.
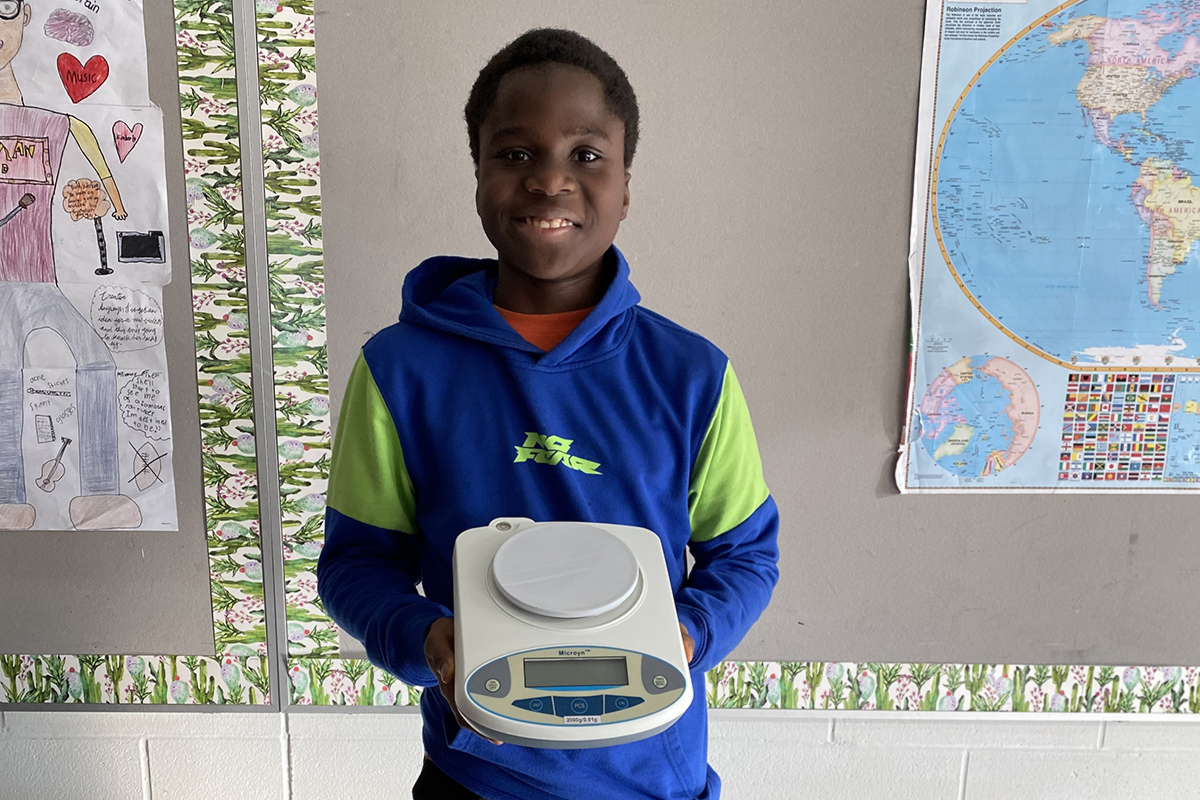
(553, 46)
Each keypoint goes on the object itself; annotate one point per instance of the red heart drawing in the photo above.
(80, 80)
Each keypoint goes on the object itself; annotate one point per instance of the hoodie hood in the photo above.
(454, 295)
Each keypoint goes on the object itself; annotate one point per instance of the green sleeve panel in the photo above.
(367, 477)
(727, 483)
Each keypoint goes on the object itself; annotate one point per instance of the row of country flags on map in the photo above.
(1113, 439)
(1115, 427)
(1097, 379)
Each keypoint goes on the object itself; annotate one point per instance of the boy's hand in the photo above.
(689, 644)
(439, 655)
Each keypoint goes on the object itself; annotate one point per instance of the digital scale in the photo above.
(566, 634)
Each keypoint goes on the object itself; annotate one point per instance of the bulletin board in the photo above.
(771, 213)
(173, 614)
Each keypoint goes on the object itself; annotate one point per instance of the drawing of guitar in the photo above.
(52, 470)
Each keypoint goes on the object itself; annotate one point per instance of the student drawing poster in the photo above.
(85, 435)
(56, 416)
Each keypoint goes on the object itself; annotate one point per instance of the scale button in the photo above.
(660, 681)
(539, 705)
(493, 678)
(592, 706)
(618, 703)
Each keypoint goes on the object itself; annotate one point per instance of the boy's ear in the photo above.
(625, 207)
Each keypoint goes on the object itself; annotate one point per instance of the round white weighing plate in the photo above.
(565, 570)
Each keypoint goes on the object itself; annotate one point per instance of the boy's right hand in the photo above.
(439, 655)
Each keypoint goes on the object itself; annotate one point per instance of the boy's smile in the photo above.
(551, 187)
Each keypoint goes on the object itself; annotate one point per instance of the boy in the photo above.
(535, 386)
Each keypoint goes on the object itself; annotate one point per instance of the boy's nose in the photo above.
(549, 179)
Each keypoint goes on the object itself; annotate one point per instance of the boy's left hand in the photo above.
(689, 644)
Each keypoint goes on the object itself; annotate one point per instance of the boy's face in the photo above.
(551, 182)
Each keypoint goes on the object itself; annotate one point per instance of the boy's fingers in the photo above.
(439, 649)
(439, 655)
(689, 644)
(463, 723)
(448, 693)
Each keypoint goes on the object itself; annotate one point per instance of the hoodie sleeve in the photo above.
(734, 526)
(370, 565)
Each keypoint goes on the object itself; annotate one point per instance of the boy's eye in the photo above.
(514, 155)
(587, 155)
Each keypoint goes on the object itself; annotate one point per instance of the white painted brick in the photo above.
(941, 732)
(120, 724)
(365, 769)
(85, 768)
(838, 773)
(395, 724)
(378, 755)
(794, 730)
(249, 769)
(1164, 735)
(1066, 775)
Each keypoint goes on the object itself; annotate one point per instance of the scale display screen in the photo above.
(553, 673)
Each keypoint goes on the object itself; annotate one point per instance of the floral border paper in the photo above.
(291, 169)
(291, 161)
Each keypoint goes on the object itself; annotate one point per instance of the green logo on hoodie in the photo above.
(553, 450)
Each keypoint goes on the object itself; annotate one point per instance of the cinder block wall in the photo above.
(324, 756)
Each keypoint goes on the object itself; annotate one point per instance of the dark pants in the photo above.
(433, 784)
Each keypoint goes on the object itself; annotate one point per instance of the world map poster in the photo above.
(1055, 250)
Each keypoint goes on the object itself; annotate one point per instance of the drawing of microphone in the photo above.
(25, 202)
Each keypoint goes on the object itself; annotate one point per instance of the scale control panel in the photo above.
(575, 686)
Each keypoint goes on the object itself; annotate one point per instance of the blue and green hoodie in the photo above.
(451, 420)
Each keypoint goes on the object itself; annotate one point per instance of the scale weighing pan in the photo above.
(565, 634)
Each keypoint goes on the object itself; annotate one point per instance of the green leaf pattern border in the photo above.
(316, 676)
(291, 173)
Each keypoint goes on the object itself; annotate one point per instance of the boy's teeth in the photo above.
(549, 223)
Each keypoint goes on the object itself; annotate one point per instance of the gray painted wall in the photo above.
(85, 592)
(770, 212)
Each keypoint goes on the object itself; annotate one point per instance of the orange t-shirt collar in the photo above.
(544, 331)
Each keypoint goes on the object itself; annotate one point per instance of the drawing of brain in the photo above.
(69, 27)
